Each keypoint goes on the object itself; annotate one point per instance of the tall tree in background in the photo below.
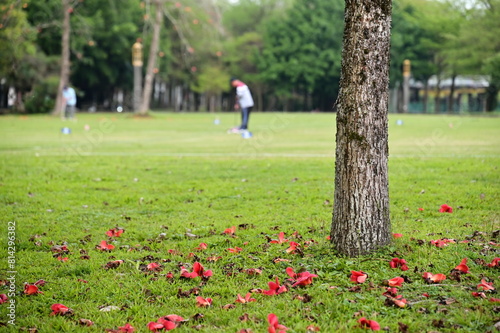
(153, 52)
(65, 56)
(361, 220)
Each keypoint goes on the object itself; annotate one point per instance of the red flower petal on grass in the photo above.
(203, 302)
(300, 279)
(274, 288)
(155, 267)
(358, 277)
(62, 259)
(494, 263)
(253, 271)
(31, 289)
(274, 325)
(395, 282)
(494, 299)
(198, 270)
(59, 309)
(485, 286)
(294, 247)
(445, 209)
(462, 267)
(115, 232)
(235, 250)
(281, 239)
(126, 329)
(401, 263)
(154, 326)
(441, 242)
(230, 231)
(478, 294)
(202, 246)
(3, 298)
(397, 235)
(245, 299)
(104, 246)
(433, 278)
(390, 292)
(369, 324)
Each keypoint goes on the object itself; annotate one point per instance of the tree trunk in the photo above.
(451, 96)
(153, 51)
(65, 60)
(361, 221)
(426, 95)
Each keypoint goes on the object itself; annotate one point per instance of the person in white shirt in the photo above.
(244, 102)
(69, 97)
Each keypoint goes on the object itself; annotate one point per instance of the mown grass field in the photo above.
(174, 181)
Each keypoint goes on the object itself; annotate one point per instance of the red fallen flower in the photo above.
(59, 309)
(104, 246)
(462, 268)
(421, 209)
(59, 249)
(494, 299)
(433, 278)
(358, 277)
(155, 327)
(154, 267)
(169, 275)
(3, 298)
(202, 246)
(441, 242)
(312, 328)
(167, 321)
(115, 232)
(245, 299)
(293, 247)
(281, 239)
(253, 271)
(274, 325)
(426, 295)
(62, 259)
(369, 324)
(31, 289)
(445, 209)
(175, 252)
(390, 292)
(398, 301)
(494, 263)
(230, 231)
(40, 283)
(203, 302)
(396, 262)
(478, 294)
(235, 250)
(397, 235)
(300, 279)
(395, 282)
(198, 270)
(274, 288)
(126, 329)
(485, 286)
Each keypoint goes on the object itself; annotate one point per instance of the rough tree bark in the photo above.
(153, 51)
(361, 221)
(65, 58)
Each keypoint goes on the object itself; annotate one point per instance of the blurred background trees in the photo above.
(287, 51)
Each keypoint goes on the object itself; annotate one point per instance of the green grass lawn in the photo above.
(173, 181)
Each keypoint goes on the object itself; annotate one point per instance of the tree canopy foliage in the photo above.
(287, 51)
